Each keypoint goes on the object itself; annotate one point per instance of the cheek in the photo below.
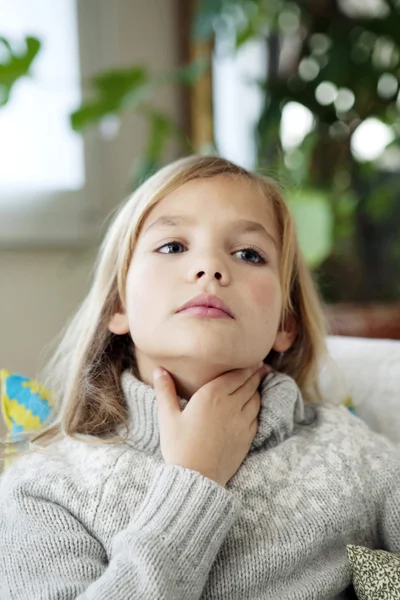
(145, 286)
(137, 287)
(265, 293)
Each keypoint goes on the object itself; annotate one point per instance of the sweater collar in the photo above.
(282, 408)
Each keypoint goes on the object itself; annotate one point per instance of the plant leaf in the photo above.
(18, 66)
(117, 89)
(313, 216)
(189, 74)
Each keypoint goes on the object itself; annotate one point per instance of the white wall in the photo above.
(39, 290)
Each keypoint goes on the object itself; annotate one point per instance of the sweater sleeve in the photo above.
(48, 554)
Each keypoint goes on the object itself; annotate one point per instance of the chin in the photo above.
(209, 351)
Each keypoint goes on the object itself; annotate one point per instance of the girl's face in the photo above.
(207, 245)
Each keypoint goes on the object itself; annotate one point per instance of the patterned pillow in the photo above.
(26, 404)
(376, 573)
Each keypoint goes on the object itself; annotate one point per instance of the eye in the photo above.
(172, 244)
(252, 252)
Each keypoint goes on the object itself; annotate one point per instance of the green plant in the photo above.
(113, 92)
(118, 90)
(15, 64)
(347, 209)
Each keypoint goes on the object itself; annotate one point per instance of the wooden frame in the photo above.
(197, 100)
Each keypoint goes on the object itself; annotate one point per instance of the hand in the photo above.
(214, 432)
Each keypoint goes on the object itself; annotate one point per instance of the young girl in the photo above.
(177, 468)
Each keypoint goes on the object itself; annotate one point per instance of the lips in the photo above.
(208, 300)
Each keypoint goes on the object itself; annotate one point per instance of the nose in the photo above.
(210, 269)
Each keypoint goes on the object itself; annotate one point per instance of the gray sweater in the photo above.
(115, 523)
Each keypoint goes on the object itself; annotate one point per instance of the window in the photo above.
(49, 176)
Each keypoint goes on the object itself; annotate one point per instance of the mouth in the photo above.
(207, 305)
(208, 312)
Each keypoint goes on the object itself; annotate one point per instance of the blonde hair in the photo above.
(84, 373)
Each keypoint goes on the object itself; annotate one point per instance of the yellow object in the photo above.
(26, 405)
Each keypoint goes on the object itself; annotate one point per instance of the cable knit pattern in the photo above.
(114, 522)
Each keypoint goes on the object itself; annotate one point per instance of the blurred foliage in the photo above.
(337, 58)
(15, 64)
(348, 209)
(311, 212)
(111, 93)
(118, 90)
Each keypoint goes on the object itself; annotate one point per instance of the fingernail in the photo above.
(157, 373)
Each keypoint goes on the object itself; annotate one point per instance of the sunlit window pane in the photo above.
(38, 150)
(238, 99)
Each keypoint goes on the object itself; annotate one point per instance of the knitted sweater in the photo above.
(115, 522)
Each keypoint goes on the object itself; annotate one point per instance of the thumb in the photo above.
(164, 387)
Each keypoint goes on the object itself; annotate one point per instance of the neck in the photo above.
(188, 376)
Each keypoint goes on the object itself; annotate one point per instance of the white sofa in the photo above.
(368, 372)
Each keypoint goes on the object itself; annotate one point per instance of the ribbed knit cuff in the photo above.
(186, 511)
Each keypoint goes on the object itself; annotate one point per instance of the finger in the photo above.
(247, 390)
(234, 380)
(252, 407)
(267, 369)
(164, 387)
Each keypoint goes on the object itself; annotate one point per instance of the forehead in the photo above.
(222, 198)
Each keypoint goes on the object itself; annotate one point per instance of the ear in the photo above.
(119, 324)
(286, 337)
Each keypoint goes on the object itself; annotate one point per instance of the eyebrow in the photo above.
(240, 226)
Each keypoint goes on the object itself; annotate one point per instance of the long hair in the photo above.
(85, 371)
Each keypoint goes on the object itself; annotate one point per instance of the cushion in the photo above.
(25, 404)
(365, 373)
(376, 573)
